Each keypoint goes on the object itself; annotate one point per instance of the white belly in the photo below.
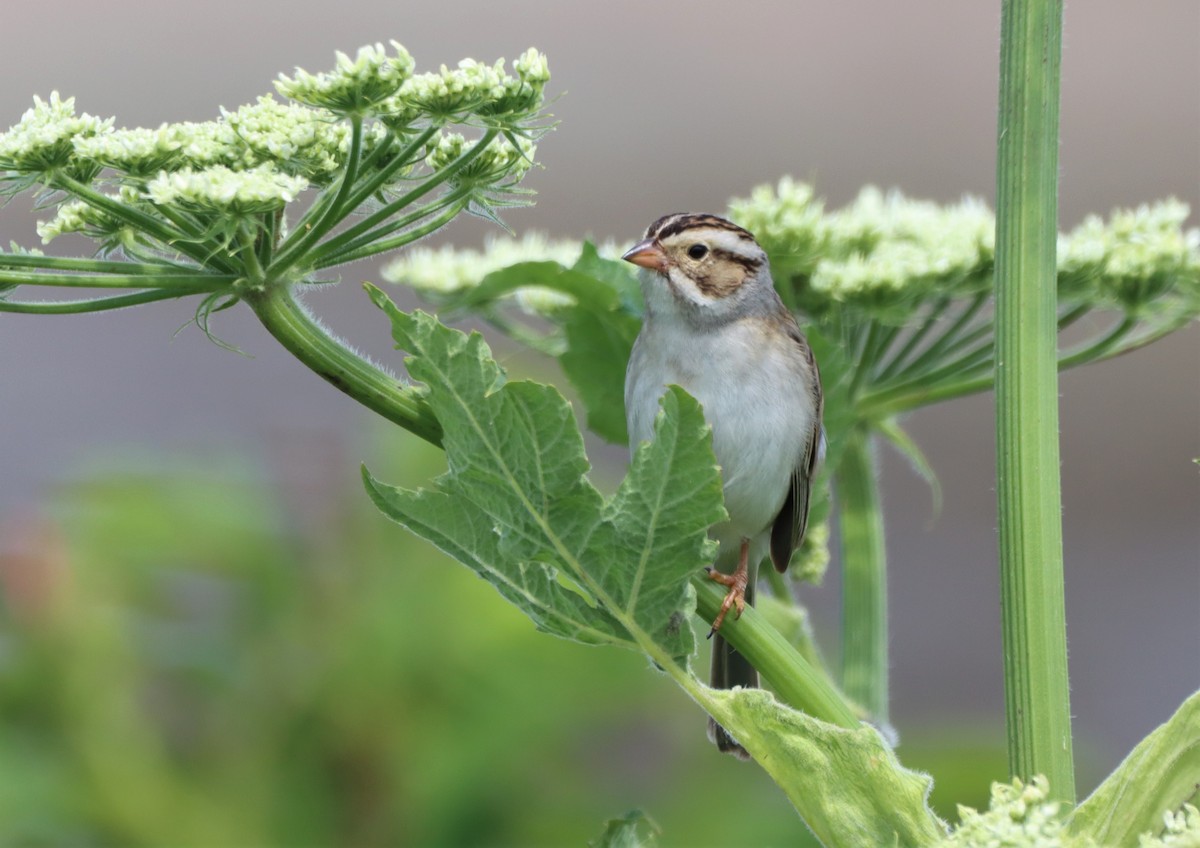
(756, 403)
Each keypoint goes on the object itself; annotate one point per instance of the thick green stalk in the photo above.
(793, 678)
(308, 341)
(864, 579)
(1027, 470)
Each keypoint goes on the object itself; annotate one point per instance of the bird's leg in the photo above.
(736, 597)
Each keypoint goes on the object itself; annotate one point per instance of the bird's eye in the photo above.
(697, 251)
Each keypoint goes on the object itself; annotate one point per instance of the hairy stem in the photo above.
(864, 579)
(308, 341)
(1027, 473)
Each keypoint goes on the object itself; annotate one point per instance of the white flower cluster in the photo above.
(501, 160)
(44, 137)
(886, 248)
(884, 252)
(354, 86)
(78, 217)
(139, 152)
(452, 94)
(295, 138)
(220, 189)
(1180, 830)
(445, 270)
(1019, 815)
(1134, 258)
(888, 254)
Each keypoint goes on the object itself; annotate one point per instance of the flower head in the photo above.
(219, 189)
(884, 254)
(452, 94)
(355, 86)
(501, 162)
(138, 152)
(1019, 815)
(445, 270)
(522, 95)
(43, 140)
(79, 217)
(1181, 829)
(1134, 260)
(296, 139)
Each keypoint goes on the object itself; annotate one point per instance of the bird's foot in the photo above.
(735, 598)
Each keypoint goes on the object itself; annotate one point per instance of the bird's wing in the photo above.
(787, 531)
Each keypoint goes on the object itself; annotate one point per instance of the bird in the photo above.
(715, 326)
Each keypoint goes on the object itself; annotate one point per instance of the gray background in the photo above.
(680, 106)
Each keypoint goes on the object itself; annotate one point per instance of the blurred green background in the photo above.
(221, 652)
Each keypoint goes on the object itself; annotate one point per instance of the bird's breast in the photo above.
(755, 398)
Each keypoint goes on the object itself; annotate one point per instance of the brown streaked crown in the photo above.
(677, 222)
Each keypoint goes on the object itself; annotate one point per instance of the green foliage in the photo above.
(516, 508)
(847, 782)
(626, 832)
(196, 656)
(1157, 778)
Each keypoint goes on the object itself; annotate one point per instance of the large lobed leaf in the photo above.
(1159, 776)
(846, 783)
(517, 508)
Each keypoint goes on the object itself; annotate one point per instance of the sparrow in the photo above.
(715, 326)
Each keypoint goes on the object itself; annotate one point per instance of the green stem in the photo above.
(308, 341)
(334, 210)
(390, 227)
(320, 256)
(291, 250)
(864, 578)
(194, 281)
(977, 358)
(1116, 343)
(865, 360)
(930, 356)
(415, 234)
(96, 304)
(96, 266)
(170, 237)
(877, 409)
(914, 339)
(1027, 472)
(1101, 346)
(793, 678)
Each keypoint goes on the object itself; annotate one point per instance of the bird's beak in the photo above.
(648, 254)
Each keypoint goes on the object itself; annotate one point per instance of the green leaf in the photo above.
(517, 508)
(598, 348)
(625, 832)
(898, 436)
(599, 341)
(847, 784)
(613, 273)
(551, 275)
(1157, 777)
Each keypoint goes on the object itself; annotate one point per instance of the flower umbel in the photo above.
(355, 86)
(500, 163)
(138, 152)
(44, 139)
(1020, 815)
(221, 190)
